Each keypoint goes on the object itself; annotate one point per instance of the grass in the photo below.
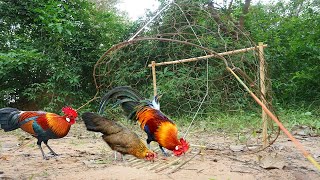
(291, 118)
(250, 121)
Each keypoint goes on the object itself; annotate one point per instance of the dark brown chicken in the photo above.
(117, 137)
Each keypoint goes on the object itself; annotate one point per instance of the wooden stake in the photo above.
(153, 63)
(263, 95)
(207, 56)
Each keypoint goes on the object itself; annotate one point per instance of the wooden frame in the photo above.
(259, 48)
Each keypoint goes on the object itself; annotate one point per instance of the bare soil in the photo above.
(83, 155)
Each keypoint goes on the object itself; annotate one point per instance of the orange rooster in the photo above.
(42, 125)
(158, 126)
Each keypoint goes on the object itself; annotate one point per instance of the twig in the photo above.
(167, 165)
(185, 162)
(154, 166)
(145, 164)
(138, 163)
(134, 161)
(205, 147)
(94, 98)
(198, 146)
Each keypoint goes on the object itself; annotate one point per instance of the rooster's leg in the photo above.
(53, 153)
(121, 156)
(163, 152)
(43, 155)
(115, 155)
(149, 141)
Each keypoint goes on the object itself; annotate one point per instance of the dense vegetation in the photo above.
(293, 34)
(48, 49)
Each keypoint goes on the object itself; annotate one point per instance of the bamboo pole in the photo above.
(263, 95)
(276, 120)
(207, 56)
(154, 78)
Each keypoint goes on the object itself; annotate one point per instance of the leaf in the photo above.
(69, 32)
(308, 113)
(59, 28)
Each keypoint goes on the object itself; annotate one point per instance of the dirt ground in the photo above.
(83, 155)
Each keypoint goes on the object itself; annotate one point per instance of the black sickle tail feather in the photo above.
(9, 119)
(126, 96)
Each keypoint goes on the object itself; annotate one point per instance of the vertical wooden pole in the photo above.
(263, 95)
(153, 63)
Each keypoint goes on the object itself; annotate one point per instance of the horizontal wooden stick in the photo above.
(206, 57)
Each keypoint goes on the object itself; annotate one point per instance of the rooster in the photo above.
(157, 126)
(42, 125)
(117, 137)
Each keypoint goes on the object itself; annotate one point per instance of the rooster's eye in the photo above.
(67, 119)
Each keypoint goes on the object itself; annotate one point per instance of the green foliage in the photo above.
(292, 32)
(48, 49)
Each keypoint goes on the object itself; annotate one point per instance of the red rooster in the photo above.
(42, 125)
(158, 126)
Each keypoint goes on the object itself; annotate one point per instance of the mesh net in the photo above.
(198, 89)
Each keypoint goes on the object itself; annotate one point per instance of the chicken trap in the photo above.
(204, 64)
(185, 54)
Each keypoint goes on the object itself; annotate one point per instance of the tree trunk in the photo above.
(245, 11)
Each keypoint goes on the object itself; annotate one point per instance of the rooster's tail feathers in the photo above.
(9, 119)
(126, 96)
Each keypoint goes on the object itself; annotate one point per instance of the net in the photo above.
(192, 46)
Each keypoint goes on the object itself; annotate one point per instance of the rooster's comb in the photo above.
(69, 111)
(184, 144)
